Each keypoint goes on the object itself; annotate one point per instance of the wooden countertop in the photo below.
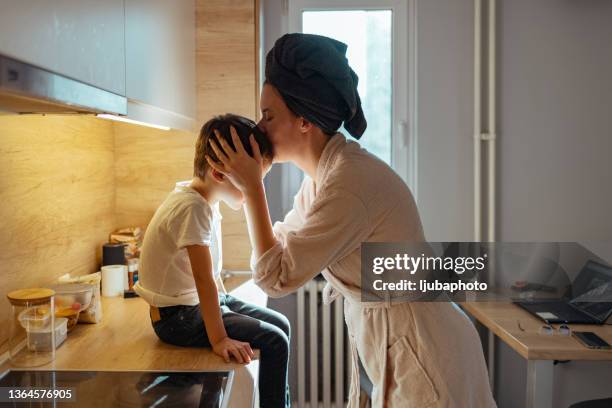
(125, 340)
(503, 319)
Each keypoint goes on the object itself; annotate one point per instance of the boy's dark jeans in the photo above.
(262, 328)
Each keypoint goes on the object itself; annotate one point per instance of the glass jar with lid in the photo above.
(32, 311)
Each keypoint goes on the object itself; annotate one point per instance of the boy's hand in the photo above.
(244, 171)
(227, 347)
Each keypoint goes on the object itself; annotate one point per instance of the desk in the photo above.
(539, 350)
(125, 340)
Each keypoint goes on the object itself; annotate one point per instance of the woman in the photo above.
(417, 354)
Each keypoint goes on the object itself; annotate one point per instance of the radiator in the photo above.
(323, 363)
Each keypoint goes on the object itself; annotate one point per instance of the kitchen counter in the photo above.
(125, 340)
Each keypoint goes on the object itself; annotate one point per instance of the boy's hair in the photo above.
(244, 127)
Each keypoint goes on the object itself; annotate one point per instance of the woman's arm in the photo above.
(258, 220)
(334, 226)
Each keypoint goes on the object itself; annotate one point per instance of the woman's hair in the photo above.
(244, 127)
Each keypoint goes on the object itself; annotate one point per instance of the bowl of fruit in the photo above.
(70, 300)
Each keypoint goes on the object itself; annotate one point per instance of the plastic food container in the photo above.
(39, 339)
(35, 317)
(70, 300)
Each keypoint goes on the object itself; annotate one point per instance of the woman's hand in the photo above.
(227, 347)
(244, 171)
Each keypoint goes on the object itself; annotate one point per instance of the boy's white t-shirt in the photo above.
(184, 218)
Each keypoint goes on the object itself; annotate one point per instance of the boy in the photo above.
(180, 265)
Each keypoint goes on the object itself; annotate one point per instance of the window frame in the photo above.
(404, 127)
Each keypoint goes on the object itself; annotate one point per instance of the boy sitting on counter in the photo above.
(180, 265)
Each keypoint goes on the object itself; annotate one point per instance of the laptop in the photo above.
(587, 301)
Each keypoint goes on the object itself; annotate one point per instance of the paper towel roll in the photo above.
(113, 278)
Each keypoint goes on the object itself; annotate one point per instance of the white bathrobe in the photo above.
(417, 354)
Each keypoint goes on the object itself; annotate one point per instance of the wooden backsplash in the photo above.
(68, 181)
(58, 194)
(148, 163)
(227, 76)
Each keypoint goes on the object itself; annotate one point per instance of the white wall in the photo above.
(445, 111)
(555, 142)
(555, 147)
(555, 62)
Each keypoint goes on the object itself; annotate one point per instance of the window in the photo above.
(368, 36)
(379, 38)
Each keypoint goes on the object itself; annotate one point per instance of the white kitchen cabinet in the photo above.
(141, 49)
(160, 61)
(82, 39)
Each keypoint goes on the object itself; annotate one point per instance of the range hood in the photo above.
(25, 88)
